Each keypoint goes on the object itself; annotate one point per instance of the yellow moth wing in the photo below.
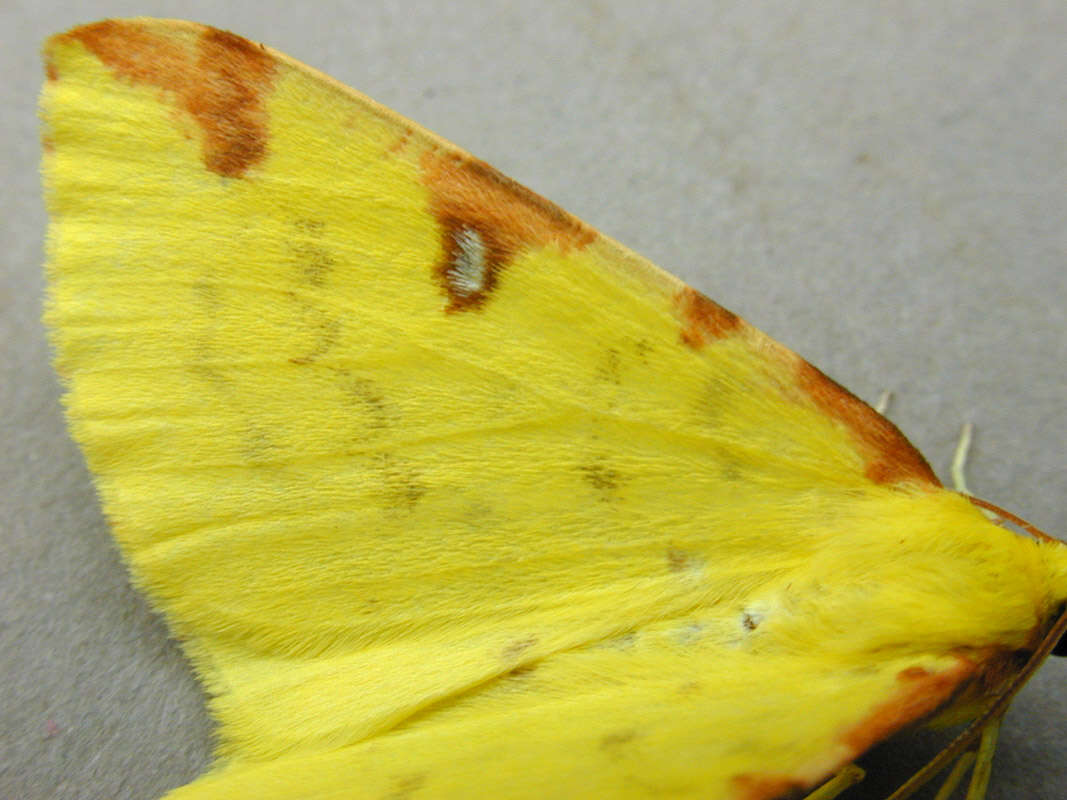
(435, 481)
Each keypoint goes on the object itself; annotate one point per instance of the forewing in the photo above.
(378, 429)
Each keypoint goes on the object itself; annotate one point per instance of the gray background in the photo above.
(879, 185)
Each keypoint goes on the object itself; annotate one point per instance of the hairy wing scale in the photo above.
(406, 528)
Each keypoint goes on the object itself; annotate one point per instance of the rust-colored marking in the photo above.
(469, 195)
(890, 457)
(703, 320)
(765, 787)
(919, 694)
(912, 674)
(678, 560)
(998, 668)
(221, 85)
(229, 107)
(50, 71)
(402, 140)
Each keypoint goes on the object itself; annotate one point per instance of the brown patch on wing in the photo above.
(678, 560)
(890, 457)
(613, 744)
(601, 477)
(402, 140)
(998, 668)
(229, 107)
(221, 85)
(401, 488)
(703, 320)
(766, 787)
(521, 671)
(514, 650)
(467, 195)
(919, 694)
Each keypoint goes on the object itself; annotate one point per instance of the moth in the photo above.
(447, 494)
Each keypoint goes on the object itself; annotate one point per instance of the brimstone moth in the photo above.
(448, 494)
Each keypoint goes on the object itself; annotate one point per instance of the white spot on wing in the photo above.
(466, 276)
(689, 633)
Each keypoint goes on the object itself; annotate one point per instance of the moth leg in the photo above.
(963, 763)
(983, 763)
(959, 464)
(882, 404)
(959, 459)
(849, 775)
